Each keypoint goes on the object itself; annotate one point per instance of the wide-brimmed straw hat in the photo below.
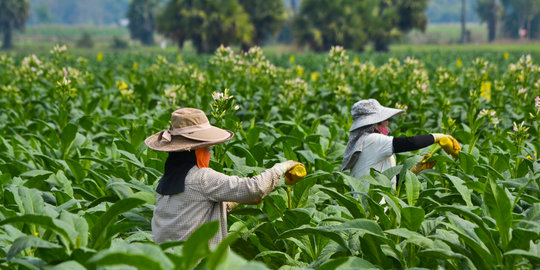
(369, 111)
(189, 130)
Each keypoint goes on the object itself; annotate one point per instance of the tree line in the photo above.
(318, 24)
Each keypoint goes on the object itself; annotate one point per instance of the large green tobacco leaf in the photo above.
(500, 208)
(461, 188)
(532, 257)
(196, 246)
(275, 259)
(47, 222)
(233, 261)
(67, 265)
(302, 190)
(340, 233)
(467, 162)
(99, 230)
(29, 201)
(350, 203)
(141, 256)
(30, 241)
(67, 137)
(412, 217)
(479, 246)
(480, 238)
(219, 254)
(412, 187)
(412, 237)
(79, 224)
(347, 263)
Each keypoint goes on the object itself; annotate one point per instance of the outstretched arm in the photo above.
(404, 144)
(220, 187)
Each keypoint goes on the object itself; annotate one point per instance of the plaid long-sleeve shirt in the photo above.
(203, 200)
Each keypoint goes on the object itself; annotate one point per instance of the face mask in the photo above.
(382, 130)
(203, 157)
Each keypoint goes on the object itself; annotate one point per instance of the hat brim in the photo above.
(208, 135)
(179, 143)
(385, 114)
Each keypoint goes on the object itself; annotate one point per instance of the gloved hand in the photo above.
(448, 143)
(289, 164)
(295, 172)
(423, 165)
(232, 205)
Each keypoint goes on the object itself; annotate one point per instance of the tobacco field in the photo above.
(78, 183)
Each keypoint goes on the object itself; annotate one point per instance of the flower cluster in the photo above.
(519, 133)
(221, 104)
(490, 115)
(294, 90)
(125, 91)
(175, 94)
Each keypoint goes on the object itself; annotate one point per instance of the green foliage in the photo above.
(208, 24)
(13, 16)
(119, 43)
(322, 24)
(141, 20)
(489, 11)
(85, 41)
(78, 182)
(267, 17)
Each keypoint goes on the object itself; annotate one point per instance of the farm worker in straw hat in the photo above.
(370, 146)
(190, 194)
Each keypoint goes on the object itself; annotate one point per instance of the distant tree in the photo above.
(43, 13)
(13, 16)
(323, 23)
(489, 12)
(352, 23)
(390, 20)
(412, 14)
(207, 23)
(119, 43)
(267, 17)
(85, 41)
(141, 20)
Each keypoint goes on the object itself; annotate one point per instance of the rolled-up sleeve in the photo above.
(220, 187)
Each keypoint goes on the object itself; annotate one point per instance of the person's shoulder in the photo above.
(199, 173)
(378, 138)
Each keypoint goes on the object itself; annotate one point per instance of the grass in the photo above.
(40, 39)
(447, 34)
(525, 47)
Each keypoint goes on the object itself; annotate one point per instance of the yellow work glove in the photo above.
(423, 165)
(295, 173)
(448, 144)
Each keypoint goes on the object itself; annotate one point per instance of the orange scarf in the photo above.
(203, 157)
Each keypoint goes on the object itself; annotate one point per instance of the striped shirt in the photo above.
(204, 199)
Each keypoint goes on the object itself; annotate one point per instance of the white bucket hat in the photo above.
(189, 130)
(369, 111)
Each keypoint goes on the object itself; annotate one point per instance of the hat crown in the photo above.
(365, 107)
(186, 117)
